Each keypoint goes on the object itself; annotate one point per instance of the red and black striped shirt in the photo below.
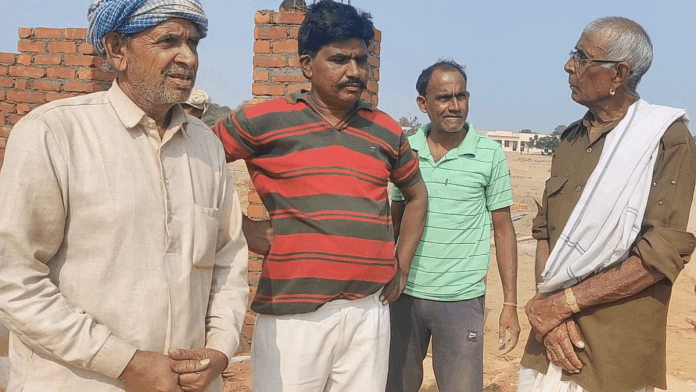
(325, 190)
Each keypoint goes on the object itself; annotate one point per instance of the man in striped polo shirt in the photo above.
(320, 161)
(467, 178)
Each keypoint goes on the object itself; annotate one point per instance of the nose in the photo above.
(454, 105)
(353, 69)
(187, 57)
(569, 66)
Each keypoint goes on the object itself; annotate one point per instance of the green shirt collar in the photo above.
(466, 147)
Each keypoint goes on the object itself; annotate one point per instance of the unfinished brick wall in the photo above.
(51, 64)
(276, 62)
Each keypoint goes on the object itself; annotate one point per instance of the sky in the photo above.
(514, 51)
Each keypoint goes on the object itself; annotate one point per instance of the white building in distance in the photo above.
(513, 141)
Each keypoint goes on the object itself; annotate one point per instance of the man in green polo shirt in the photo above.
(467, 178)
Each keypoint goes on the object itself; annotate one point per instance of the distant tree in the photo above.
(548, 144)
(526, 131)
(215, 112)
(409, 121)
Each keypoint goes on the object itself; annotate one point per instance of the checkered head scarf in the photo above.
(132, 16)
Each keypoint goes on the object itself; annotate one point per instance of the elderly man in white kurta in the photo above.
(123, 263)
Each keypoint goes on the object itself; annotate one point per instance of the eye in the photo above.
(169, 40)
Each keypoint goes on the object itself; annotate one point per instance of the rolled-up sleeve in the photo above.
(663, 243)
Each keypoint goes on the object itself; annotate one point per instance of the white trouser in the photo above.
(531, 380)
(342, 346)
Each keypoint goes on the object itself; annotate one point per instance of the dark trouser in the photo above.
(457, 332)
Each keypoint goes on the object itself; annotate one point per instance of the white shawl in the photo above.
(608, 216)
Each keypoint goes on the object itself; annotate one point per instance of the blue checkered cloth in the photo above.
(132, 16)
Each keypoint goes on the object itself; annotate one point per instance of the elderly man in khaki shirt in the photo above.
(123, 263)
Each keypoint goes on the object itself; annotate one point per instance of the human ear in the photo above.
(420, 100)
(114, 46)
(306, 66)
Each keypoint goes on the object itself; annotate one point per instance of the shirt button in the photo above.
(654, 184)
(659, 202)
(589, 150)
(578, 188)
(166, 182)
(673, 182)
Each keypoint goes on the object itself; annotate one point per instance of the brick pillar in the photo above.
(276, 62)
(51, 64)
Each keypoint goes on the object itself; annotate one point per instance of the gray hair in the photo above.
(626, 41)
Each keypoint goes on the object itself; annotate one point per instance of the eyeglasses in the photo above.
(580, 58)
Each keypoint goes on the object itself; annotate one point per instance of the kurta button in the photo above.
(673, 182)
(589, 150)
(166, 182)
(654, 184)
(659, 202)
(578, 188)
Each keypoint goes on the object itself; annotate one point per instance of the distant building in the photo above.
(513, 141)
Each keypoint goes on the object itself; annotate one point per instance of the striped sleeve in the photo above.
(405, 170)
(498, 193)
(233, 131)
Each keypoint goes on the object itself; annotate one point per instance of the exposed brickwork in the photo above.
(276, 63)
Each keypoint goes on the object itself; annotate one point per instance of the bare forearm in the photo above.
(410, 232)
(506, 252)
(628, 278)
(397, 211)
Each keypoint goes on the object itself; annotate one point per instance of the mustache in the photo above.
(351, 82)
(181, 71)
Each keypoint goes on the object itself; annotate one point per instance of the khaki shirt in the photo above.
(113, 240)
(625, 340)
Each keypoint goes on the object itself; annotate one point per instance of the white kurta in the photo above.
(113, 240)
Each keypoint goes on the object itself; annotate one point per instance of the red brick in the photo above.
(73, 33)
(248, 331)
(3, 70)
(6, 82)
(265, 32)
(372, 86)
(85, 48)
(375, 75)
(365, 96)
(376, 48)
(260, 76)
(7, 108)
(45, 85)
(62, 47)
(47, 59)
(253, 278)
(2, 156)
(262, 47)
(249, 319)
(22, 84)
(27, 72)
(267, 89)
(262, 17)
(285, 47)
(83, 60)
(293, 32)
(266, 61)
(53, 96)
(23, 108)
(47, 33)
(60, 73)
(95, 74)
(291, 76)
(253, 197)
(26, 97)
(7, 58)
(294, 87)
(24, 32)
(374, 61)
(255, 212)
(256, 100)
(23, 59)
(294, 61)
(5, 131)
(378, 35)
(255, 265)
(79, 87)
(3, 142)
(31, 46)
(292, 18)
(375, 100)
(2, 95)
(14, 118)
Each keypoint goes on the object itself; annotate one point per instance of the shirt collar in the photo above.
(468, 146)
(131, 114)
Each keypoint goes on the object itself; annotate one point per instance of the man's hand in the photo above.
(547, 311)
(559, 346)
(147, 372)
(394, 288)
(508, 322)
(197, 368)
(259, 235)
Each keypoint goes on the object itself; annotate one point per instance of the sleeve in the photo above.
(34, 200)
(663, 244)
(540, 222)
(397, 195)
(405, 171)
(234, 133)
(498, 193)
(229, 289)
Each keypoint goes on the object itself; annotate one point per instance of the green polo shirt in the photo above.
(463, 187)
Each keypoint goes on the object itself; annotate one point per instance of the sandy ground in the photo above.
(528, 175)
